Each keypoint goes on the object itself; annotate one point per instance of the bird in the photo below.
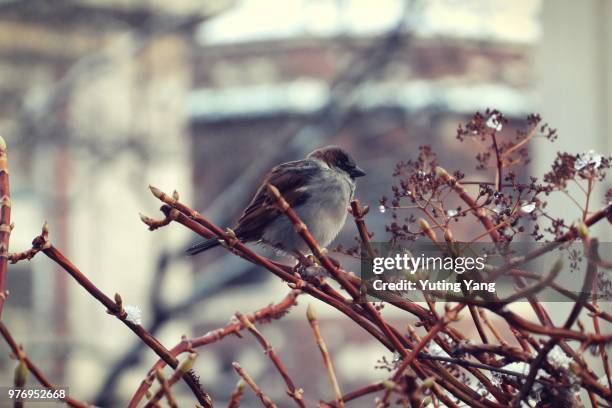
(318, 188)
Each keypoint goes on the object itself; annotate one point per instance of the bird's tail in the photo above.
(202, 246)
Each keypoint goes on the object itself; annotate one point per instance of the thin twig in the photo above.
(359, 213)
(451, 315)
(115, 308)
(256, 389)
(567, 237)
(5, 221)
(464, 195)
(40, 376)
(176, 376)
(336, 273)
(165, 388)
(314, 324)
(24, 255)
(372, 322)
(590, 248)
(266, 314)
(363, 391)
(499, 163)
(154, 224)
(292, 391)
(237, 395)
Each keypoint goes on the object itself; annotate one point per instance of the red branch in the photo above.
(116, 309)
(465, 196)
(177, 375)
(370, 319)
(336, 273)
(5, 221)
(265, 314)
(40, 376)
(316, 330)
(265, 400)
(292, 391)
(237, 395)
(368, 389)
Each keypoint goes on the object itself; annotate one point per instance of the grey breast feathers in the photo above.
(288, 178)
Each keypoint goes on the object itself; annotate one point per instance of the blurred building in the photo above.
(101, 98)
(93, 109)
(274, 95)
(380, 96)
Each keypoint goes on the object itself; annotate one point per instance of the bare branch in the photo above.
(249, 380)
(266, 314)
(5, 221)
(294, 393)
(40, 376)
(314, 324)
(237, 395)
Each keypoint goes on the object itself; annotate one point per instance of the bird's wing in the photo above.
(291, 179)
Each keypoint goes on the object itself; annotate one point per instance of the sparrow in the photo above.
(318, 188)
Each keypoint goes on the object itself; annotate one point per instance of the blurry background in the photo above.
(100, 98)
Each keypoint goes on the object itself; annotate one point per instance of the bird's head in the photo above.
(336, 158)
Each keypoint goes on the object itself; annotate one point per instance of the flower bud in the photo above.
(442, 173)
(156, 192)
(429, 382)
(310, 313)
(583, 230)
(424, 224)
(21, 374)
(188, 363)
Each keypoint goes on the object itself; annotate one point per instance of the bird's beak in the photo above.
(357, 172)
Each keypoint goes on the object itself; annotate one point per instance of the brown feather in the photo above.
(290, 179)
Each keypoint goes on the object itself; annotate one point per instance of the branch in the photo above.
(294, 393)
(184, 368)
(542, 283)
(5, 221)
(367, 317)
(40, 376)
(359, 213)
(570, 235)
(314, 324)
(441, 324)
(165, 389)
(499, 163)
(197, 223)
(480, 213)
(368, 389)
(204, 286)
(339, 275)
(249, 380)
(237, 395)
(115, 308)
(591, 272)
(266, 314)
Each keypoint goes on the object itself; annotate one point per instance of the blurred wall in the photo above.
(574, 63)
(93, 110)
